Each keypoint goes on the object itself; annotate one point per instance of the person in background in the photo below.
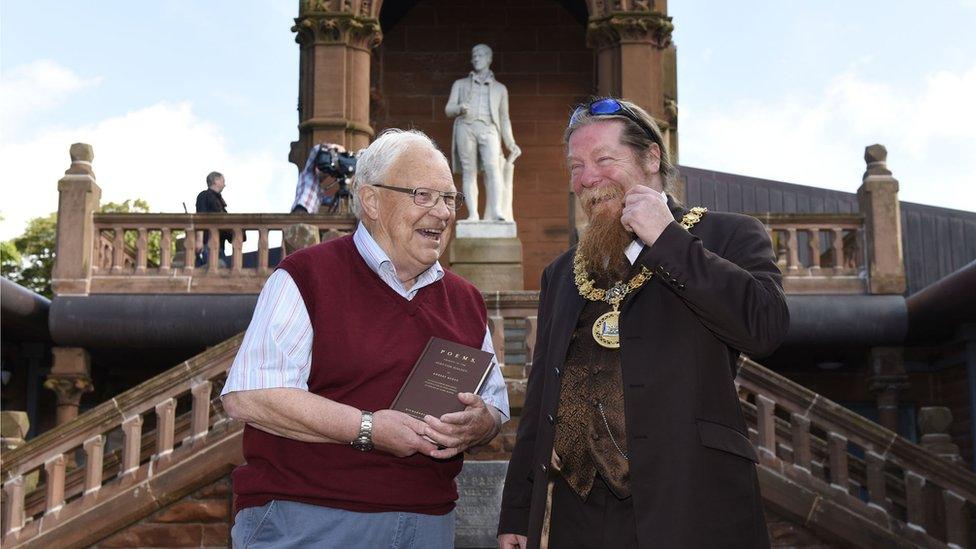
(212, 201)
(312, 184)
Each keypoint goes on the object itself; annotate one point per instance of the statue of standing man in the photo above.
(479, 106)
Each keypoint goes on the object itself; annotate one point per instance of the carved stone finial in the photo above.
(81, 159)
(338, 28)
(81, 152)
(876, 158)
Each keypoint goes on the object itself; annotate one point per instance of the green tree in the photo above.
(29, 258)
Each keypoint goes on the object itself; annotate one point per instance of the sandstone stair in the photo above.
(823, 467)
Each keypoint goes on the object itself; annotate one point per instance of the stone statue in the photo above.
(479, 106)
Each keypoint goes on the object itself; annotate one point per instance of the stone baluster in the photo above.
(496, 324)
(957, 519)
(118, 250)
(792, 246)
(237, 243)
(213, 249)
(54, 470)
(839, 476)
(13, 505)
(165, 427)
(189, 249)
(766, 426)
(802, 455)
(877, 492)
(78, 201)
(915, 500)
(814, 250)
(263, 266)
(131, 445)
(200, 413)
(165, 251)
(838, 248)
(94, 457)
(531, 332)
(142, 249)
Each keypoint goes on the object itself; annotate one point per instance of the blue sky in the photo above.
(168, 90)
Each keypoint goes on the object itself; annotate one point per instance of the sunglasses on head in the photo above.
(610, 107)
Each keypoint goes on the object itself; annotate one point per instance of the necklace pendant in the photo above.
(606, 330)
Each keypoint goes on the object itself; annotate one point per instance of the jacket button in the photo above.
(557, 371)
(552, 419)
(667, 275)
(681, 286)
(543, 467)
(660, 268)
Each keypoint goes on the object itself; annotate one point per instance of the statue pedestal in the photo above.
(488, 254)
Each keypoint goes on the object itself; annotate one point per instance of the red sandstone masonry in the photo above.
(540, 54)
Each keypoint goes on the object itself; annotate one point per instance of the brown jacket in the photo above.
(717, 292)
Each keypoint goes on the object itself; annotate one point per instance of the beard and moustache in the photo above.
(605, 239)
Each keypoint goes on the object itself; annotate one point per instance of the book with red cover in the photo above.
(444, 369)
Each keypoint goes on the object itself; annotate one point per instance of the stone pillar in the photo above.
(933, 424)
(886, 381)
(878, 201)
(70, 378)
(635, 60)
(78, 200)
(335, 40)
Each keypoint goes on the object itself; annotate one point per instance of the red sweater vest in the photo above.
(366, 339)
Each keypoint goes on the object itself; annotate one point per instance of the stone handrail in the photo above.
(800, 435)
(815, 441)
(192, 382)
(831, 260)
(116, 270)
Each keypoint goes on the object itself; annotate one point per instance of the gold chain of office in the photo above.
(606, 329)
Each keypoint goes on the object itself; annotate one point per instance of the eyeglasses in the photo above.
(610, 107)
(428, 198)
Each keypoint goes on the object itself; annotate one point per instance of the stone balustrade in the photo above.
(840, 455)
(124, 261)
(818, 253)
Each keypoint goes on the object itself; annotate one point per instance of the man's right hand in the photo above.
(512, 541)
(400, 434)
(463, 108)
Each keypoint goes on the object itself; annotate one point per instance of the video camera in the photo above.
(340, 165)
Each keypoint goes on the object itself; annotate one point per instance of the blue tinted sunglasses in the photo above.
(609, 107)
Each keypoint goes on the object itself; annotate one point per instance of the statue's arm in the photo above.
(453, 107)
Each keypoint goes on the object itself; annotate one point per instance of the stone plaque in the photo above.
(480, 487)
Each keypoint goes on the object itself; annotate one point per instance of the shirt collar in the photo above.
(378, 261)
(489, 76)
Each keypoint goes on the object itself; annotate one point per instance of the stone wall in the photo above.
(539, 53)
(202, 519)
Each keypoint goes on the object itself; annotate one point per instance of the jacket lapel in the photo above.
(568, 306)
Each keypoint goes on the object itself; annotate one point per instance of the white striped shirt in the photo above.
(277, 347)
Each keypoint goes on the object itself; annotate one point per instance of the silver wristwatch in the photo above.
(364, 442)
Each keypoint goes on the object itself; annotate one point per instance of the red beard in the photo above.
(605, 239)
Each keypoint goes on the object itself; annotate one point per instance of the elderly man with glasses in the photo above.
(631, 434)
(336, 331)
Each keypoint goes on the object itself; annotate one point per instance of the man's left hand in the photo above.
(645, 213)
(458, 431)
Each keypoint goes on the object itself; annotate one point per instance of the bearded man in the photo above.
(631, 434)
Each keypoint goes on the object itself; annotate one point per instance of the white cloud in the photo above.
(160, 153)
(37, 86)
(819, 139)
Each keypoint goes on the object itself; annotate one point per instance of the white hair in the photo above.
(483, 47)
(375, 161)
